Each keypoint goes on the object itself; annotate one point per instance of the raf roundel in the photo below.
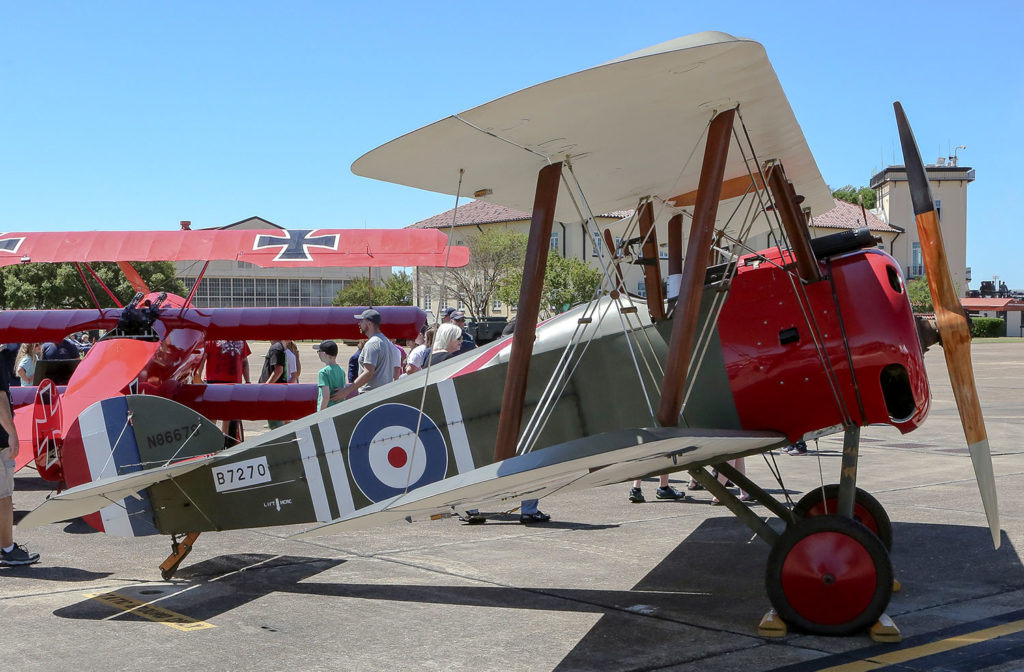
(386, 456)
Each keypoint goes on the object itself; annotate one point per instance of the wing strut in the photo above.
(684, 320)
(793, 220)
(651, 265)
(514, 396)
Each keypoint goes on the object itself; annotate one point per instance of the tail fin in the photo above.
(125, 435)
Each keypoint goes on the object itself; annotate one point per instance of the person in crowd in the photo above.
(10, 553)
(8, 360)
(329, 379)
(377, 359)
(274, 372)
(400, 355)
(27, 358)
(353, 361)
(739, 465)
(458, 318)
(226, 362)
(291, 354)
(447, 340)
(664, 491)
(66, 349)
(417, 359)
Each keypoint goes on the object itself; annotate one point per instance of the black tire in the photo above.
(829, 575)
(867, 510)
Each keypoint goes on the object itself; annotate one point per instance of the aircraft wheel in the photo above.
(867, 510)
(829, 575)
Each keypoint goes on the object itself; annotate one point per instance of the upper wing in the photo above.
(628, 127)
(262, 247)
(41, 326)
(612, 457)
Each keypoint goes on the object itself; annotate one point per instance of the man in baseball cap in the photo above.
(369, 314)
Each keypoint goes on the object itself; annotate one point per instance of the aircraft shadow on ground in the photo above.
(712, 580)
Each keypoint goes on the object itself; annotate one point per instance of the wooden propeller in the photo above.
(954, 331)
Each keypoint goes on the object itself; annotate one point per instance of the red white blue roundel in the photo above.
(386, 456)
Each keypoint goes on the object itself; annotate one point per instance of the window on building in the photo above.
(459, 305)
(916, 261)
(496, 305)
(938, 209)
(426, 302)
(663, 251)
(598, 245)
(553, 243)
(641, 289)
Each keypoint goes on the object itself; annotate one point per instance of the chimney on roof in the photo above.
(186, 225)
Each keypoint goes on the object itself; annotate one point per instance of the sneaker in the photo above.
(694, 485)
(636, 495)
(668, 492)
(19, 555)
(798, 448)
(535, 517)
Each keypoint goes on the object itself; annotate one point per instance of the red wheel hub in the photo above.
(829, 578)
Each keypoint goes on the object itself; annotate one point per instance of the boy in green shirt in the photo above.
(331, 378)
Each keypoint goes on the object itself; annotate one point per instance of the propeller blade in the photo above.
(954, 331)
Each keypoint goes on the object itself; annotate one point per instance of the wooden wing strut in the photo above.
(514, 396)
(684, 320)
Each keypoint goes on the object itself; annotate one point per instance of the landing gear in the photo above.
(179, 550)
(829, 575)
(867, 510)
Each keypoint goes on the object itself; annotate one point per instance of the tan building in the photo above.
(949, 189)
(239, 284)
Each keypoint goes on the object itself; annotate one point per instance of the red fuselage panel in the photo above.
(789, 365)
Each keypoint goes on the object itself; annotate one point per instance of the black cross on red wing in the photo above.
(295, 244)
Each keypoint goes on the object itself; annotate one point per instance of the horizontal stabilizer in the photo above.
(603, 459)
(90, 497)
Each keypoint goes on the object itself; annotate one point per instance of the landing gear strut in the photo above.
(179, 550)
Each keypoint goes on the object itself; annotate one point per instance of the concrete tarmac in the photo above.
(607, 585)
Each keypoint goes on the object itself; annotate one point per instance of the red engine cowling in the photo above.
(801, 358)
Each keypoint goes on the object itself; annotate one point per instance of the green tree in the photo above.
(57, 286)
(494, 254)
(857, 195)
(920, 296)
(567, 281)
(396, 291)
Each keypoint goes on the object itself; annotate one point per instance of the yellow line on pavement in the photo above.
(150, 612)
(940, 646)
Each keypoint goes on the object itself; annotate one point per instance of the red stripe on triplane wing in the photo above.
(369, 247)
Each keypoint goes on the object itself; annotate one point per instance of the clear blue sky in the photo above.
(134, 115)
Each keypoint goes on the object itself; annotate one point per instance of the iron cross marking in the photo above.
(11, 244)
(295, 244)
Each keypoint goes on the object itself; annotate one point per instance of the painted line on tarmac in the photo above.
(150, 612)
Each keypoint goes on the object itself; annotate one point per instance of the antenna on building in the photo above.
(953, 159)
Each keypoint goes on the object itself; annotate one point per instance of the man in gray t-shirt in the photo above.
(380, 355)
(377, 359)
